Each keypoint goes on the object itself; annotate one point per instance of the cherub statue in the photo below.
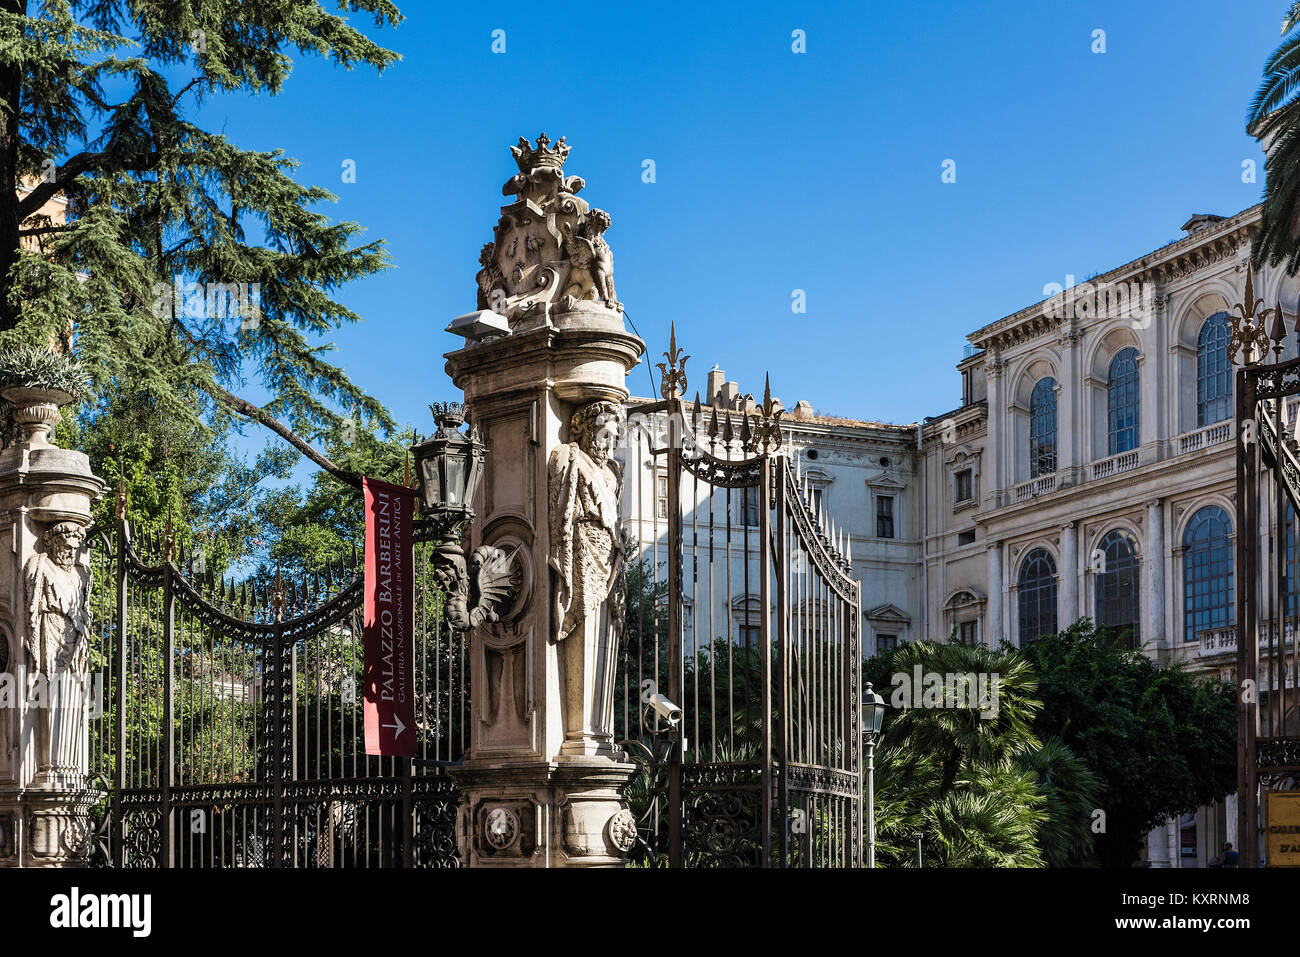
(591, 263)
(489, 278)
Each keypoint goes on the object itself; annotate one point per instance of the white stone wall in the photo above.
(840, 458)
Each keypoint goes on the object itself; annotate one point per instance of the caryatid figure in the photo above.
(587, 557)
(58, 643)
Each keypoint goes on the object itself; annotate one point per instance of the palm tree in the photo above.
(1072, 792)
(964, 737)
(974, 782)
(1274, 118)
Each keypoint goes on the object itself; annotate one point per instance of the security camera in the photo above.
(666, 710)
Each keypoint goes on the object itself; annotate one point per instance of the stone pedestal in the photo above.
(45, 498)
(544, 782)
(545, 814)
(56, 826)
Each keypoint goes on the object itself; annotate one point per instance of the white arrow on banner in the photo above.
(399, 726)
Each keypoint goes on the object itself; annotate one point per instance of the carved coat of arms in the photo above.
(549, 245)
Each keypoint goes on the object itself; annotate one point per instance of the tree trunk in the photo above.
(249, 410)
(10, 137)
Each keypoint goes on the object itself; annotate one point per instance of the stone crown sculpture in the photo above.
(549, 247)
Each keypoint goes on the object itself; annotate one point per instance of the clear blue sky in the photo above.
(779, 171)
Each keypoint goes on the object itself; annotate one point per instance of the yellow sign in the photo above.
(1282, 814)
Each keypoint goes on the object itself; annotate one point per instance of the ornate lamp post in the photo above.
(873, 713)
(449, 465)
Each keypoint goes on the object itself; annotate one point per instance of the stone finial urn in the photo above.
(36, 412)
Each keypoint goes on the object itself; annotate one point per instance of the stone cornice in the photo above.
(969, 420)
(1161, 266)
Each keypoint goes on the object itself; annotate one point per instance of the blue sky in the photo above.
(778, 171)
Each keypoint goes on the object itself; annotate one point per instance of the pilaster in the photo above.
(1069, 575)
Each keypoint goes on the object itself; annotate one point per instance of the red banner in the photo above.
(388, 626)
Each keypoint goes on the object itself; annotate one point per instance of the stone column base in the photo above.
(47, 827)
(547, 814)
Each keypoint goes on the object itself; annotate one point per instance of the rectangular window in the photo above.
(963, 489)
(816, 494)
(966, 538)
(662, 503)
(747, 507)
(749, 635)
(885, 643)
(884, 516)
(1118, 587)
(1187, 835)
(966, 632)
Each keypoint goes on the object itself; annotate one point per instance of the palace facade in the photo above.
(1087, 472)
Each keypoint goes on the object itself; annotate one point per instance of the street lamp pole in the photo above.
(871, 801)
(873, 713)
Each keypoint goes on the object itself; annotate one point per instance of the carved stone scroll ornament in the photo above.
(58, 643)
(588, 564)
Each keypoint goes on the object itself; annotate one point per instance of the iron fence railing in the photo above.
(744, 612)
(231, 730)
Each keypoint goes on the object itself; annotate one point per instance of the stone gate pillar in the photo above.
(45, 680)
(544, 373)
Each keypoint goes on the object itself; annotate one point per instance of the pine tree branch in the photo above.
(261, 416)
(74, 167)
(45, 230)
(185, 89)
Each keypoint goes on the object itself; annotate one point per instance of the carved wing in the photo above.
(496, 581)
(580, 250)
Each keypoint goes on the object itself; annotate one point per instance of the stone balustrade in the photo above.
(1205, 437)
(1123, 462)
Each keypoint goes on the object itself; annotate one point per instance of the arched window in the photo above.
(1117, 584)
(1037, 588)
(1122, 402)
(1213, 372)
(1207, 572)
(1042, 428)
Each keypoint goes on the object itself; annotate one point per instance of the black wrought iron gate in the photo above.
(1267, 614)
(231, 731)
(745, 614)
